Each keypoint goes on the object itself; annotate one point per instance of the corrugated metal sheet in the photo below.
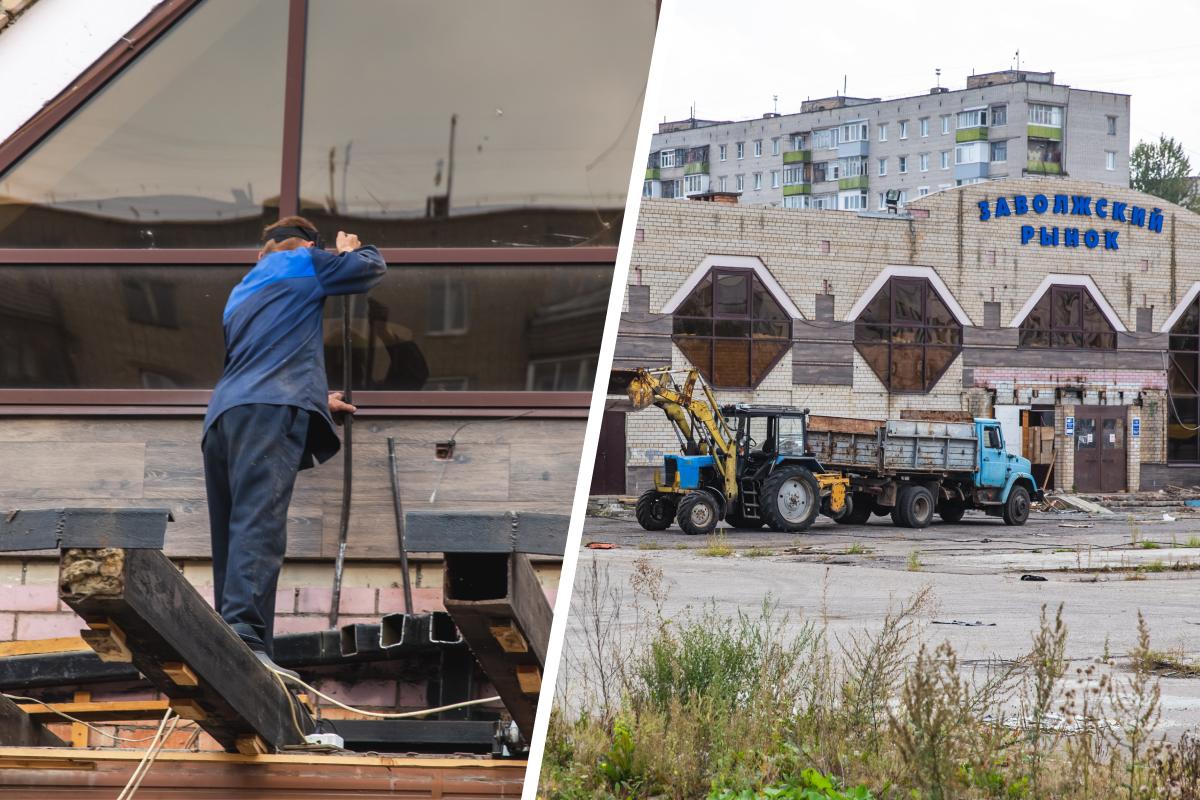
(895, 446)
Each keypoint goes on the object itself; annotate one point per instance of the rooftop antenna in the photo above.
(844, 80)
(938, 72)
(1018, 55)
(775, 97)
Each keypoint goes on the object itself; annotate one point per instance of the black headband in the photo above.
(297, 232)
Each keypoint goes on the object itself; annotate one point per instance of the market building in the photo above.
(1066, 309)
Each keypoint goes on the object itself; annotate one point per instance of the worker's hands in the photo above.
(339, 406)
(347, 242)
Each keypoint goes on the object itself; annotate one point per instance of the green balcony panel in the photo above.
(977, 134)
(696, 168)
(797, 188)
(652, 174)
(797, 156)
(857, 182)
(1043, 168)
(1045, 132)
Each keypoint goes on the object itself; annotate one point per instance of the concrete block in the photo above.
(39, 597)
(47, 626)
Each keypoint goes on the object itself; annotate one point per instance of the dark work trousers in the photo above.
(251, 456)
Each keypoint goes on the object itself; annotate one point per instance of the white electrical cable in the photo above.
(160, 738)
(76, 720)
(402, 715)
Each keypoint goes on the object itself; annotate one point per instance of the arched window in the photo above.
(1183, 375)
(1068, 317)
(907, 335)
(732, 329)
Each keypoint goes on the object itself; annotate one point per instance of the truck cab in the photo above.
(1000, 472)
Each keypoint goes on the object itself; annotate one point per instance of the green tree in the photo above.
(1162, 169)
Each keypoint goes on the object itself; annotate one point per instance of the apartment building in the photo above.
(848, 153)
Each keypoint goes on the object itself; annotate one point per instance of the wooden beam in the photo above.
(33, 647)
(18, 729)
(79, 731)
(54, 528)
(485, 532)
(502, 612)
(94, 711)
(166, 623)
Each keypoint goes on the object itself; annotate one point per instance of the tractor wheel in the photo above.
(737, 520)
(861, 506)
(655, 510)
(914, 507)
(697, 514)
(1016, 510)
(790, 499)
(951, 511)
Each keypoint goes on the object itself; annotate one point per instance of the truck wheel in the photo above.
(655, 510)
(1016, 510)
(951, 511)
(861, 507)
(737, 520)
(697, 514)
(914, 507)
(790, 499)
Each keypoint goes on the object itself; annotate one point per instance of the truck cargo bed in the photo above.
(897, 445)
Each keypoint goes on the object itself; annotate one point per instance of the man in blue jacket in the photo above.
(271, 412)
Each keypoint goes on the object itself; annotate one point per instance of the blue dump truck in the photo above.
(911, 469)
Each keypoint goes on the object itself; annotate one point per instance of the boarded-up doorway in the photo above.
(1100, 464)
(608, 474)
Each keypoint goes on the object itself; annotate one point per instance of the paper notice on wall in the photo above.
(1112, 438)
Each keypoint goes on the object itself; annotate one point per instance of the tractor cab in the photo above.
(768, 434)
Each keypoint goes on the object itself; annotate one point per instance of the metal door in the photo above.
(608, 473)
(1100, 464)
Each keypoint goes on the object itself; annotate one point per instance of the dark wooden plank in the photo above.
(502, 612)
(413, 735)
(71, 469)
(484, 532)
(823, 374)
(163, 620)
(17, 729)
(42, 529)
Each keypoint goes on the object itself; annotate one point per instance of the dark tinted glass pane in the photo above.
(937, 312)
(1100, 341)
(733, 294)
(1184, 343)
(1069, 339)
(876, 356)
(1188, 321)
(765, 354)
(871, 333)
(775, 330)
(951, 336)
(1039, 317)
(693, 327)
(731, 328)
(1034, 338)
(541, 100)
(1182, 375)
(699, 352)
(1093, 319)
(1065, 312)
(699, 301)
(1181, 430)
(906, 300)
(937, 359)
(731, 362)
(765, 306)
(180, 150)
(878, 310)
(908, 335)
(423, 327)
(908, 369)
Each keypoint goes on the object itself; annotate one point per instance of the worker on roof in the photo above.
(271, 413)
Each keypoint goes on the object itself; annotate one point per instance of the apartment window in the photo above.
(732, 329)
(723, 183)
(694, 184)
(853, 167)
(923, 123)
(825, 201)
(903, 196)
(854, 202)
(922, 191)
(1068, 317)
(774, 179)
(854, 132)
(999, 151)
(1045, 156)
(758, 180)
(794, 175)
(739, 182)
(1112, 125)
(824, 140)
(797, 201)
(1000, 115)
(798, 141)
(721, 152)
(973, 118)
(945, 159)
(971, 153)
(774, 147)
(923, 161)
(741, 150)
(903, 164)
(1110, 159)
(447, 307)
(758, 148)
(883, 131)
(904, 129)
(648, 189)
(833, 171)
(945, 123)
(907, 335)
(1045, 115)
(882, 202)
(666, 158)
(882, 167)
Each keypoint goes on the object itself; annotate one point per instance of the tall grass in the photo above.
(760, 705)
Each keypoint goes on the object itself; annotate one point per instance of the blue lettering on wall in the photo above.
(1060, 204)
(1026, 233)
(1101, 208)
(1040, 203)
(1118, 212)
(1137, 216)
(1081, 205)
(1110, 240)
(1049, 239)
(1002, 208)
(1076, 205)
(1020, 204)
(984, 214)
(1070, 237)
(1091, 239)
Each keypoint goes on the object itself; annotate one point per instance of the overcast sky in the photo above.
(730, 57)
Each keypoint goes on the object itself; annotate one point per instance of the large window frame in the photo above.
(1183, 387)
(907, 331)
(1085, 328)
(108, 67)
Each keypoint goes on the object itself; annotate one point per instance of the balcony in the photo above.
(652, 174)
(1043, 167)
(1045, 132)
(857, 182)
(855, 149)
(696, 168)
(796, 188)
(797, 157)
(977, 134)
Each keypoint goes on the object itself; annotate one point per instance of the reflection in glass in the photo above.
(907, 335)
(1067, 317)
(1183, 432)
(181, 150)
(433, 328)
(459, 123)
